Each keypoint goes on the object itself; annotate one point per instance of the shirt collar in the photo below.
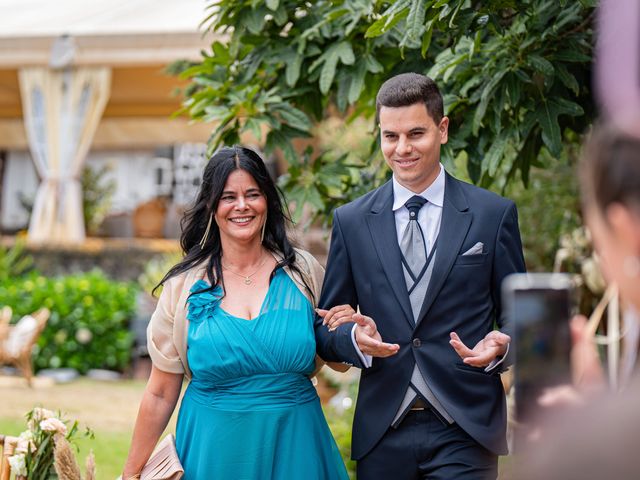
(434, 193)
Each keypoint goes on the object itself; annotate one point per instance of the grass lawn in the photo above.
(109, 409)
(110, 448)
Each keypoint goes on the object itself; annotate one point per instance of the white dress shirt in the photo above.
(429, 218)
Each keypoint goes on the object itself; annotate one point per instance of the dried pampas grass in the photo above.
(91, 467)
(64, 460)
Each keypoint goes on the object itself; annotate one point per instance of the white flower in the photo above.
(18, 464)
(42, 414)
(38, 414)
(25, 442)
(53, 425)
(84, 335)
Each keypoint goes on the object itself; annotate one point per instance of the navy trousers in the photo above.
(423, 447)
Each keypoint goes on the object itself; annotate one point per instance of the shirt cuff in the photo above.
(364, 358)
(495, 362)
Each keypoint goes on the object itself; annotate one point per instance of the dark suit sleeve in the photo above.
(508, 259)
(338, 288)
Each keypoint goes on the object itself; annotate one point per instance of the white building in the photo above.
(125, 45)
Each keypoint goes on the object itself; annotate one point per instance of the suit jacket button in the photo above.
(416, 342)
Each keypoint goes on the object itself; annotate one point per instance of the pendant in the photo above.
(247, 281)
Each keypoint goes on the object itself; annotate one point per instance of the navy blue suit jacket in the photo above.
(364, 270)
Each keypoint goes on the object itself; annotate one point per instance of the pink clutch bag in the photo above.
(164, 463)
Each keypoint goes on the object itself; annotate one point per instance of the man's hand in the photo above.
(486, 350)
(369, 340)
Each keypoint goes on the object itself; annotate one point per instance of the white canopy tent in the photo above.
(24, 18)
(64, 53)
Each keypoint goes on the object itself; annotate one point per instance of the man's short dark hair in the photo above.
(407, 89)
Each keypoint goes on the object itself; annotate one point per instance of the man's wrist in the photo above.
(364, 358)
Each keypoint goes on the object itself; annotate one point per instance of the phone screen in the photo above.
(543, 344)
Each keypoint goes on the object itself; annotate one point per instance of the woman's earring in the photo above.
(206, 233)
(264, 227)
(631, 266)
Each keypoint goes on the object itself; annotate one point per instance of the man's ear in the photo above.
(443, 127)
(625, 225)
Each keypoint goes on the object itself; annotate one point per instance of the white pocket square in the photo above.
(475, 250)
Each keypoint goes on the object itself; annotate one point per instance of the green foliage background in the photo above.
(515, 75)
(90, 314)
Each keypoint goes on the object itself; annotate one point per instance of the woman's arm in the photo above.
(157, 405)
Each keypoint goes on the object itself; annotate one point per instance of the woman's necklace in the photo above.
(247, 278)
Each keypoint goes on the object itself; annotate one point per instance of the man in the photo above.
(423, 258)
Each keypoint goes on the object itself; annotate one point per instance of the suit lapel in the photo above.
(382, 226)
(454, 225)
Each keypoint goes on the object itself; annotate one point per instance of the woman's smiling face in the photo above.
(241, 210)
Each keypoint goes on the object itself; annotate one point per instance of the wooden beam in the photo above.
(110, 50)
(125, 133)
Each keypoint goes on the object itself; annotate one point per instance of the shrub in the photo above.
(88, 327)
(14, 261)
(340, 423)
(155, 270)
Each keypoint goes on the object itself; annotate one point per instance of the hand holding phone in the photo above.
(538, 307)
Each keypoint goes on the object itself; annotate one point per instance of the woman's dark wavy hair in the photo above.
(194, 223)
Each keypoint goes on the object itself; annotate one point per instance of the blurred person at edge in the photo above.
(236, 318)
(600, 436)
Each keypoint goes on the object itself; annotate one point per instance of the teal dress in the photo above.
(250, 411)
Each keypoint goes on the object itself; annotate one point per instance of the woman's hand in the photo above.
(336, 316)
(586, 368)
(588, 374)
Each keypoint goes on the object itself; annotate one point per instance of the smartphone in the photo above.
(538, 307)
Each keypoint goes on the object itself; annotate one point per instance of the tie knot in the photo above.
(414, 204)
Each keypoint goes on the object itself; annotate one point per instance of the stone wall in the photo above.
(120, 259)
(125, 258)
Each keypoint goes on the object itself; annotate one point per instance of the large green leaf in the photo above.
(487, 91)
(414, 23)
(568, 79)
(292, 71)
(345, 52)
(328, 71)
(294, 117)
(357, 82)
(397, 11)
(547, 115)
(496, 152)
(541, 64)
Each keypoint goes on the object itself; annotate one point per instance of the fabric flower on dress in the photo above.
(202, 305)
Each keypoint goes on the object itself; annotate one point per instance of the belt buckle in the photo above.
(419, 405)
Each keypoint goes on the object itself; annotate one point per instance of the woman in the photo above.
(610, 179)
(250, 410)
(601, 439)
